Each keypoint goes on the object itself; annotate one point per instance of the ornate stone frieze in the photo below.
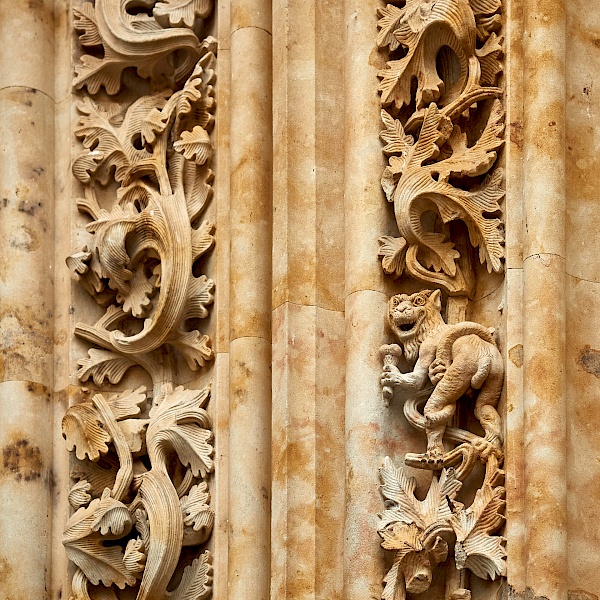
(143, 458)
(444, 124)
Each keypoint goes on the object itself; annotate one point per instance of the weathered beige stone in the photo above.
(308, 452)
(249, 551)
(26, 488)
(28, 45)
(251, 176)
(26, 205)
(250, 466)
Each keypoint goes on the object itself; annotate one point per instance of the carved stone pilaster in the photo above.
(444, 125)
(144, 458)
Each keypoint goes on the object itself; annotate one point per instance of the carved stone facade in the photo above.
(230, 369)
(143, 459)
(444, 126)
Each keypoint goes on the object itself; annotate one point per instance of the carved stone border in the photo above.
(444, 124)
(143, 457)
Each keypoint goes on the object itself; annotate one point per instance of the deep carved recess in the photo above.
(144, 458)
(444, 124)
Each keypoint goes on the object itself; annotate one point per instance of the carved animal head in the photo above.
(417, 554)
(412, 318)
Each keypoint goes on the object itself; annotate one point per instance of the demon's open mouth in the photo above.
(407, 326)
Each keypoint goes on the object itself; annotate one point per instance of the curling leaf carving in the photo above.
(437, 163)
(161, 46)
(181, 424)
(144, 459)
(476, 549)
(85, 533)
(443, 120)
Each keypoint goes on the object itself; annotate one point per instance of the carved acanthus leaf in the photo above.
(81, 591)
(85, 23)
(180, 423)
(181, 13)
(397, 142)
(78, 494)
(195, 145)
(142, 263)
(103, 365)
(104, 519)
(134, 558)
(476, 549)
(196, 582)
(412, 528)
(392, 252)
(474, 207)
(194, 347)
(84, 432)
(84, 428)
(422, 29)
(487, 19)
(404, 507)
(197, 513)
(443, 130)
(98, 475)
(154, 45)
(110, 142)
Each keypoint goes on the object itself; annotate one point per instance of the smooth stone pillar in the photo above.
(26, 296)
(308, 302)
(544, 335)
(249, 552)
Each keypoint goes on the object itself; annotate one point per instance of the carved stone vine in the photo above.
(444, 123)
(141, 489)
(443, 126)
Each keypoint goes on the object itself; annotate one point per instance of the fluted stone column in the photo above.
(545, 406)
(26, 294)
(308, 302)
(372, 430)
(250, 300)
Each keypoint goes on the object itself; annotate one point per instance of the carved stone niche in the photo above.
(443, 122)
(143, 457)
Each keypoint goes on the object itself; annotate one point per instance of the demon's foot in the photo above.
(434, 457)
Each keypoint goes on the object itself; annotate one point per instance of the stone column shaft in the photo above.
(545, 405)
(250, 300)
(26, 295)
(366, 217)
(308, 303)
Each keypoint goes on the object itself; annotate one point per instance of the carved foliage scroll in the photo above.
(443, 125)
(144, 458)
(443, 128)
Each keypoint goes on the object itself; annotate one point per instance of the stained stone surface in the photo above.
(301, 302)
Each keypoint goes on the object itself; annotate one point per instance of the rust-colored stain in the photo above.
(22, 460)
(5, 569)
(516, 355)
(516, 134)
(589, 359)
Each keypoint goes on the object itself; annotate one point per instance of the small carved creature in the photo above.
(454, 358)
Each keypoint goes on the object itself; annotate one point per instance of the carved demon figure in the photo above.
(454, 359)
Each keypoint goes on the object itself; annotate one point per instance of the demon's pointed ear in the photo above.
(436, 299)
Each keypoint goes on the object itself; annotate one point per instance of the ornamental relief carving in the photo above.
(143, 457)
(443, 123)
